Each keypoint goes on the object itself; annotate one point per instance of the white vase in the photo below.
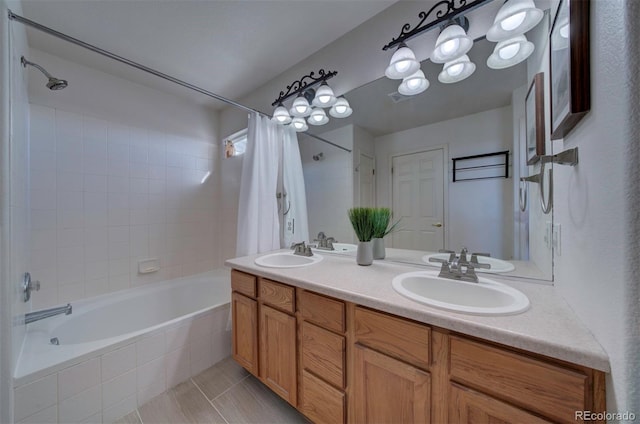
(378, 248)
(364, 254)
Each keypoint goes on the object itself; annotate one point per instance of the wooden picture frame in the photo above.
(569, 63)
(534, 120)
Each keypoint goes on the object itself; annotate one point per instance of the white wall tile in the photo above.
(118, 389)
(46, 416)
(149, 348)
(177, 337)
(80, 407)
(201, 356)
(94, 419)
(77, 378)
(118, 362)
(119, 410)
(36, 396)
(178, 366)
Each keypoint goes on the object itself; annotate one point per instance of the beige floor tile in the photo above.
(252, 402)
(219, 378)
(131, 418)
(182, 404)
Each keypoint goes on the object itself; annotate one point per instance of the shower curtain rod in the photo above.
(65, 37)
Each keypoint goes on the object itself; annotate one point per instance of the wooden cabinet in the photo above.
(338, 362)
(387, 390)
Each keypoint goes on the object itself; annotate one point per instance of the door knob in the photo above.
(438, 224)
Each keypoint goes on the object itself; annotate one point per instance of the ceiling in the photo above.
(229, 47)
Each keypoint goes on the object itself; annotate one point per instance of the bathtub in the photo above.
(151, 338)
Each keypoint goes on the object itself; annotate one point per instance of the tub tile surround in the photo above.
(549, 327)
(105, 195)
(114, 383)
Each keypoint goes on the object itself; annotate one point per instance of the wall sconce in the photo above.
(513, 19)
(309, 102)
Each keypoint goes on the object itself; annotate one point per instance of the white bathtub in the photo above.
(175, 328)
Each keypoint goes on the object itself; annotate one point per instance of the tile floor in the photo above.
(222, 394)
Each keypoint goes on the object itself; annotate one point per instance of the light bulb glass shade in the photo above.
(452, 43)
(324, 96)
(515, 17)
(299, 124)
(281, 115)
(317, 117)
(561, 34)
(300, 107)
(510, 52)
(413, 84)
(341, 109)
(457, 70)
(403, 63)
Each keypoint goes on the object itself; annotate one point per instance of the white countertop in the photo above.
(549, 327)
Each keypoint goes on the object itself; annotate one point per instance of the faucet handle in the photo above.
(473, 264)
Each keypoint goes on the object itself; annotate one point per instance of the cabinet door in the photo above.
(245, 332)
(278, 352)
(387, 390)
(467, 406)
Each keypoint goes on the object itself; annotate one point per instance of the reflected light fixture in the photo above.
(310, 90)
(413, 84)
(403, 63)
(457, 70)
(515, 17)
(510, 52)
(452, 43)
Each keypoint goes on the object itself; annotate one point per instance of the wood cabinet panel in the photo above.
(278, 364)
(245, 331)
(321, 402)
(467, 406)
(394, 336)
(325, 312)
(243, 283)
(387, 390)
(547, 389)
(277, 295)
(323, 353)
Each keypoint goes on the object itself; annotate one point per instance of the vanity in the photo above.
(339, 344)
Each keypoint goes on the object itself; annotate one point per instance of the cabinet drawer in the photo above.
(320, 402)
(323, 353)
(394, 336)
(243, 283)
(325, 312)
(527, 382)
(277, 295)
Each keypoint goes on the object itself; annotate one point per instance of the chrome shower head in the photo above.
(319, 156)
(53, 83)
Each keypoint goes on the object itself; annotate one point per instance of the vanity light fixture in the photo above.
(510, 52)
(452, 42)
(515, 17)
(310, 90)
(457, 70)
(413, 84)
(403, 63)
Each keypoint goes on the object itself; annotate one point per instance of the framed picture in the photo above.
(534, 119)
(569, 66)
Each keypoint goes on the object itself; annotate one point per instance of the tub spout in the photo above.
(47, 313)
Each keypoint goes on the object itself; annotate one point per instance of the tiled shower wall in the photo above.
(105, 195)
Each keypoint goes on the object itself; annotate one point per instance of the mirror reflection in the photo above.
(403, 151)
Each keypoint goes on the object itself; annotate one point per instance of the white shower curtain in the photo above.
(258, 223)
(296, 224)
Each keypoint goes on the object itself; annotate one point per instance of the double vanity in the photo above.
(382, 343)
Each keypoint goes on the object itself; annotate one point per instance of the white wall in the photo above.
(489, 227)
(116, 171)
(363, 143)
(14, 201)
(596, 202)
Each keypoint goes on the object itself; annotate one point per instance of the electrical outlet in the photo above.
(548, 235)
(556, 240)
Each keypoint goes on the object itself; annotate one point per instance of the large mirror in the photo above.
(405, 151)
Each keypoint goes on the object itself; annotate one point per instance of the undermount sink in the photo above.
(497, 265)
(487, 297)
(340, 248)
(287, 260)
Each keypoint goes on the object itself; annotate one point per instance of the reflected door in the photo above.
(366, 181)
(418, 199)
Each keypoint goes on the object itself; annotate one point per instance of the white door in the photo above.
(366, 181)
(418, 200)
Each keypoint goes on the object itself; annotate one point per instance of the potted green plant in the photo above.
(381, 227)
(362, 222)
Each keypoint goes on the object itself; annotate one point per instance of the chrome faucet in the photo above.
(457, 267)
(30, 317)
(301, 249)
(324, 242)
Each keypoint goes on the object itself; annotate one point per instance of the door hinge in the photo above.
(373, 172)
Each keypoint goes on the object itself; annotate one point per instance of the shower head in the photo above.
(318, 157)
(53, 83)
